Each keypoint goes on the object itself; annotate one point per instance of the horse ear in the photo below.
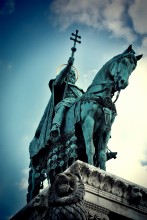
(139, 57)
(129, 48)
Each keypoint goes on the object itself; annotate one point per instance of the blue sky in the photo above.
(34, 41)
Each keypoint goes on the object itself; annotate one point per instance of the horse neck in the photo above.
(102, 83)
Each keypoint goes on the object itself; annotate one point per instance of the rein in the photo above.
(117, 96)
(102, 90)
(115, 79)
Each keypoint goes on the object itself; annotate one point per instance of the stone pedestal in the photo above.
(106, 197)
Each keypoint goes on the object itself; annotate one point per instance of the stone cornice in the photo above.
(106, 197)
(112, 187)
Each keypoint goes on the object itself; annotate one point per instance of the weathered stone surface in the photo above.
(66, 197)
(106, 197)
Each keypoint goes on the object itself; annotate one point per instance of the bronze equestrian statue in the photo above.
(77, 125)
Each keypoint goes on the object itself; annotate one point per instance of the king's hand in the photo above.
(70, 61)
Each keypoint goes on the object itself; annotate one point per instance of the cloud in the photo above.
(137, 12)
(103, 15)
(143, 163)
(115, 14)
(86, 78)
(45, 184)
(23, 184)
(7, 7)
(90, 75)
(26, 139)
(143, 47)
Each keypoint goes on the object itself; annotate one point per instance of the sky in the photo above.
(34, 42)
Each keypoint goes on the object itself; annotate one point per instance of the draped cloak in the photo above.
(42, 134)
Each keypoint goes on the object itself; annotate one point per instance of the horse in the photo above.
(86, 128)
(97, 111)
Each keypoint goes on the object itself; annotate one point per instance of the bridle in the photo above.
(114, 79)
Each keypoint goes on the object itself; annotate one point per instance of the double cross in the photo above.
(73, 49)
(75, 39)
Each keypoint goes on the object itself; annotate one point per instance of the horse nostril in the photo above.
(122, 81)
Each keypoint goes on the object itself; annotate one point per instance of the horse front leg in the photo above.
(105, 136)
(102, 157)
(87, 128)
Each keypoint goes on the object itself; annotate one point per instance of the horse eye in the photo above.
(133, 67)
(124, 61)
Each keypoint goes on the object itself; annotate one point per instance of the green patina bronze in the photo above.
(77, 125)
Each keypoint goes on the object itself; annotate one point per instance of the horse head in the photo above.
(122, 67)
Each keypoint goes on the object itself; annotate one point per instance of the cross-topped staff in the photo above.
(73, 49)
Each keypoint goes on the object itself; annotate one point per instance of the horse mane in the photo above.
(106, 67)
